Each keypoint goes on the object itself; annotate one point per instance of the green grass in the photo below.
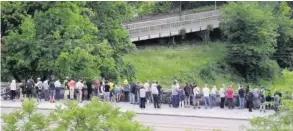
(163, 63)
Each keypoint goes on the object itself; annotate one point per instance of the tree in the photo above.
(95, 115)
(65, 39)
(252, 35)
(284, 53)
(108, 17)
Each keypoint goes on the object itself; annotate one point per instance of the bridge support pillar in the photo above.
(160, 35)
(149, 36)
(138, 37)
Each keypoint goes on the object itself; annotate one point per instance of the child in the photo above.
(181, 97)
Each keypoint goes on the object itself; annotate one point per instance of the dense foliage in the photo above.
(255, 33)
(75, 39)
(95, 115)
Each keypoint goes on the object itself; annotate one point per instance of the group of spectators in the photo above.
(146, 93)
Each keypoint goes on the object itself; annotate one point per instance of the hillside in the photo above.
(165, 64)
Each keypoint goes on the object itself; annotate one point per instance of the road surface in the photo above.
(177, 123)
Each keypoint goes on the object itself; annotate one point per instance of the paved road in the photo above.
(177, 123)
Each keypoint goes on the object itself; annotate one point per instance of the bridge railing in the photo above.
(172, 19)
(161, 27)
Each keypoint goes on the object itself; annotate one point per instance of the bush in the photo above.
(92, 116)
(269, 69)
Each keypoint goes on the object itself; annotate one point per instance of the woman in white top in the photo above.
(222, 95)
(13, 89)
(197, 97)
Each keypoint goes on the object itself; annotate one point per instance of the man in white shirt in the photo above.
(79, 86)
(213, 96)
(206, 95)
(155, 94)
(57, 88)
(222, 95)
(175, 97)
(39, 88)
(46, 89)
(142, 95)
(13, 89)
(197, 97)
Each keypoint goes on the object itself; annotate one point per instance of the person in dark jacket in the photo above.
(159, 87)
(89, 89)
(250, 98)
(181, 95)
(246, 94)
(29, 88)
(52, 90)
(241, 94)
(188, 94)
(132, 93)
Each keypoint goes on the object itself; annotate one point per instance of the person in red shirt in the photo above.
(229, 94)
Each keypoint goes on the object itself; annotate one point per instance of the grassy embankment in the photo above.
(166, 64)
(185, 64)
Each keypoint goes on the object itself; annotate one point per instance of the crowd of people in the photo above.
(189, 95)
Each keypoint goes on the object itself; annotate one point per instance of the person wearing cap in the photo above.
(39, 88)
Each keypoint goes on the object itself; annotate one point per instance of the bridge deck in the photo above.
(172, 26)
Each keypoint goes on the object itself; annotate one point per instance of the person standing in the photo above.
(29, 88)
(197, 97)
(89, 89)
(39, 89)
(230, 93)
(66, 88)
(159, 87)
(142, 95)
(276, 102)
(214, 96)
(155, 94)
(13, 89)
(250, 100)
(71, 85)
(117, 92)
(22, 90)
(107, 91)
(222, 95)
(188, 94)
(206, 95)
(46, 90)
(241, 94)
(148, 92)
(57, 85)
(52, 90)
(181, 97)
(175, 97)
(262, 102)
(256, 102)
(79, 87)
(126, 90)
(132, 93)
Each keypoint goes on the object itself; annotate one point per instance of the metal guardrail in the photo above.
(199, 21)
(172, 19)
(171, 24)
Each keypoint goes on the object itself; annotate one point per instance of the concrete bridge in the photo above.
(171, 26)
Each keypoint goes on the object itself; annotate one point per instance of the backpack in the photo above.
(51, 85)
(29, 84)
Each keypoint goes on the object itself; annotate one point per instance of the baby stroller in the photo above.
(5, 93)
